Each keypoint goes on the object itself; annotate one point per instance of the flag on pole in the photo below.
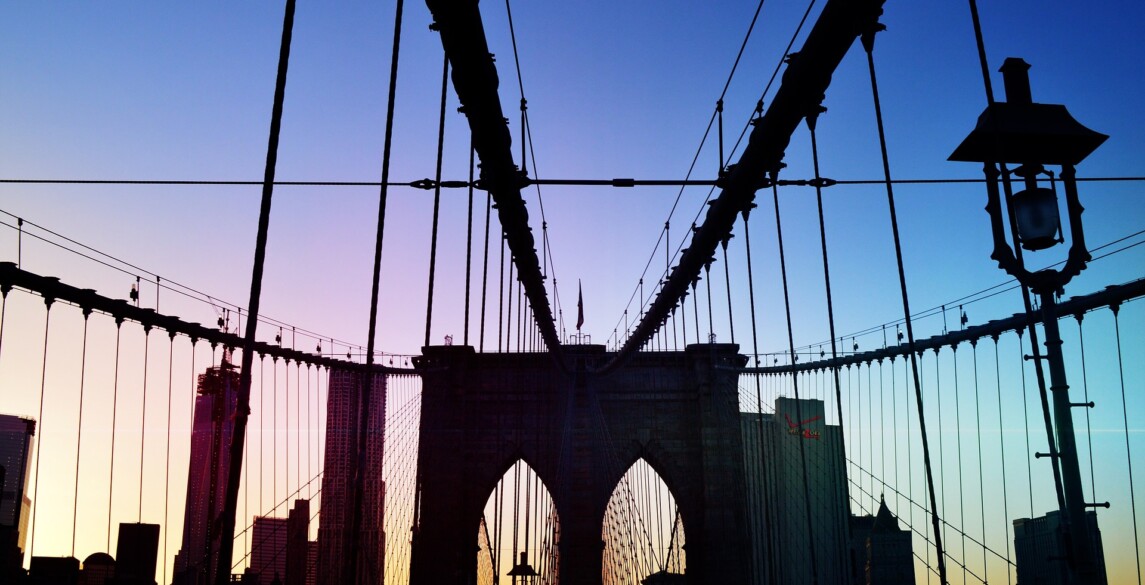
(579, 306)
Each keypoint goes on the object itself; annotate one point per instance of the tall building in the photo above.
(341, 463)
(136, 554)
(1041, 553)
(211, 431)
(268, 550)
(298, 543)
(15, 456)
(785, 549)
(880, 551)
(281, 547)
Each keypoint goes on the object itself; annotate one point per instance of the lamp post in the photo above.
(1034, 135)
(523, 573)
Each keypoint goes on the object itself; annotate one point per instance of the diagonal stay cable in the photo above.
(805, 81)
(475, 82)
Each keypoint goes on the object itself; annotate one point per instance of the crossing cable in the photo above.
(795, 388)
(915, 504)
(868, 39)
(475, 82)
(928, 541)
(222, 576)
(161, 283)
(436, 197)
(79, 434)
(774, 75)
(985, 293)
(527, 143)
(1128, 454)
(838, 26)
(664, 237)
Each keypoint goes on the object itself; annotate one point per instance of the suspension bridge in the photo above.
(791, 420)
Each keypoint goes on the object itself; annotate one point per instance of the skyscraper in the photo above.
(341, 463)
(880, 550)
(298, 543)
(211, 431)
(779, 505)
(268, 549)
(1040, 550)
(15, 455)
(136, 554)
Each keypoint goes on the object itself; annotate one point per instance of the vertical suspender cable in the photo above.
(436, 197)
(812, 122)
(958, 443)
(167, 457)
(79, 437)
(868, 39)
(501, 296)
(261, 426)
(143, 416)
(309, 439)
(238, 434)
(708, 284)
(795, 387)
(352, 553)
(114, 409)
(1026, 419)
(1035, 351)
(1128, 453)
(1002, 444)
(728, 281)
(758, 398)
(469, 245)
(35, 529)
(1085, 388)
(978, 440)
(485, 263)
(4, 290)
(509, 307)
(286, 430)
(298, 429)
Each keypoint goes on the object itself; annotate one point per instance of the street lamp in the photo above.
(1033, 135)
(524, 571)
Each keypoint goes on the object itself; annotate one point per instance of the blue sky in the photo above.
(130, 90)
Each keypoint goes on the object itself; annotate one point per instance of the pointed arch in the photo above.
(642, 528)
(520, 526)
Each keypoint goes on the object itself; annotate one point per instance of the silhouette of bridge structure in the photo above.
(644, 459)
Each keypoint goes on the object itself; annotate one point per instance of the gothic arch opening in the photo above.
(642, 530)
(519, 531)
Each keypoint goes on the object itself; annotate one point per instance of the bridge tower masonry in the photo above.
(580, 431)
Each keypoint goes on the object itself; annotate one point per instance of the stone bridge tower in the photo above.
(580, 432)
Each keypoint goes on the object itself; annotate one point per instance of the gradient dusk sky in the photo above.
(182, 91)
